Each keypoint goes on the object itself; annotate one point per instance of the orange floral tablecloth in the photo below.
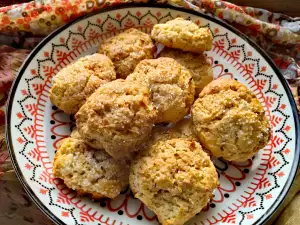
(23, 24)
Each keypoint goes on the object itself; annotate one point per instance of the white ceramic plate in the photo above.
(248, 193)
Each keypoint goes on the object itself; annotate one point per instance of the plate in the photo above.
(248, 193)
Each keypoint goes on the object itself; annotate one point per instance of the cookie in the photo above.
(171, 85)
(174, 178)
(183, 34)
(90, 171)
(197, 64)
(127, 49)
(230, 121)
(73, 84)
(118, 118)
(183, 130)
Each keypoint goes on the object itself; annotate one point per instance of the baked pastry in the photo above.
(183, 34)
(183, 129)
(118, 117)
(230, 121)
(127, 49)
(174, 178)
(73, 84)
(89, 171)
(197, 64)
(171, 85)
(75, 134)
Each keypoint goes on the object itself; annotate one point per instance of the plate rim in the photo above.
(282, 195)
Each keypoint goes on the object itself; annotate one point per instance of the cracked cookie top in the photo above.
(183, 34)
(73, 84)
(118, 117)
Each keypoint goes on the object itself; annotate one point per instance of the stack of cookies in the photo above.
(133, 121)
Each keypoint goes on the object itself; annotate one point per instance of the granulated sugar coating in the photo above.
(183, 130)
(230, 121)
(183, 34)
(174, 178)
(89, 171)
(118, 118)
(197, 64)
(76, 82)
(171, 86)
(127, 49)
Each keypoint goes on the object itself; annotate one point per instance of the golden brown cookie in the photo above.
(75, 134)
(183, 129)
(183, 34)
(171, 85)
(73, 84)
(118, 118)
(230, 121)
(197, 64)
(127, 49)
(174, 178)
(89, 171)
